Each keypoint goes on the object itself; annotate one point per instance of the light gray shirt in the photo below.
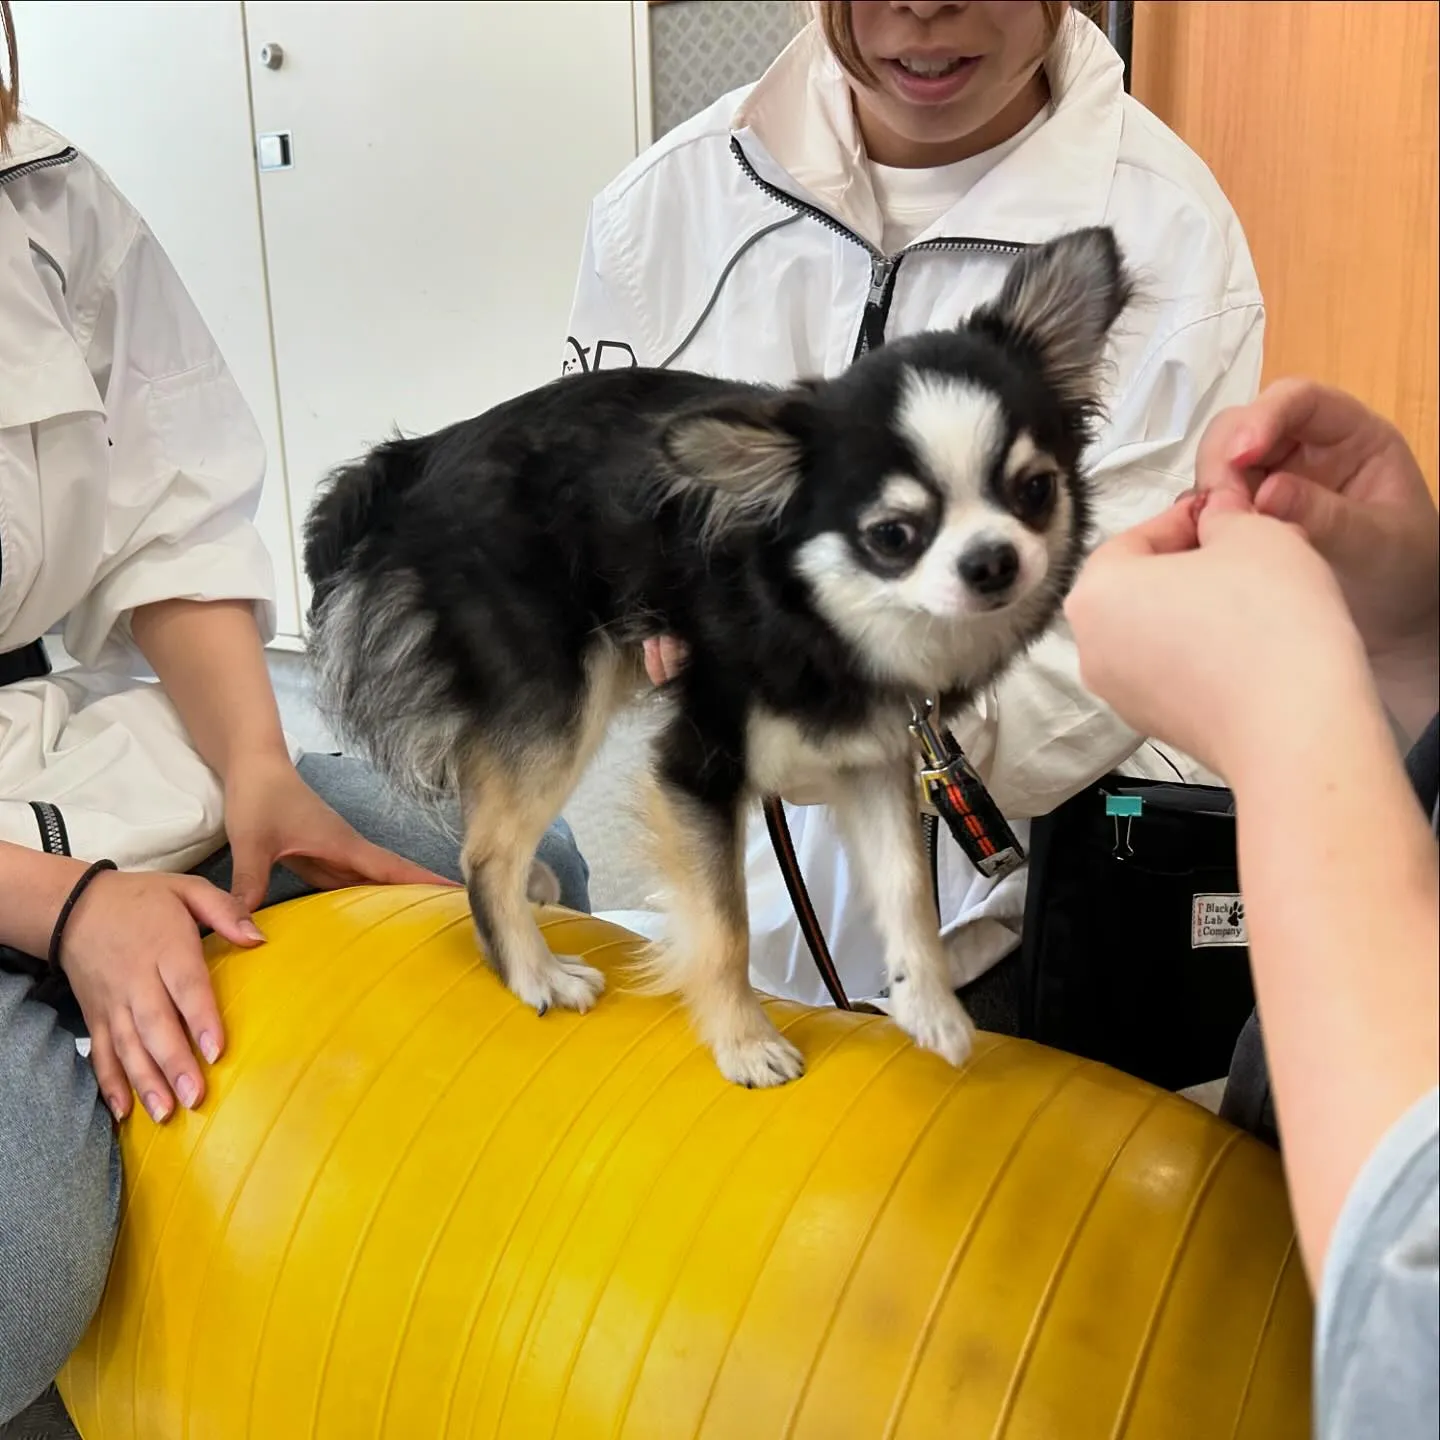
(1377, 1338)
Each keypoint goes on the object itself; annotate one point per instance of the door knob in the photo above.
(272, 56)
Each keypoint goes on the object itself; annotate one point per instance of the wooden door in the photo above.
(1319, 119)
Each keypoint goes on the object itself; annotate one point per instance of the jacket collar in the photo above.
(798, 130)
(31, 141)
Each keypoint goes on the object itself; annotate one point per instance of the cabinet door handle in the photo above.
(272, 56)
(273, 152)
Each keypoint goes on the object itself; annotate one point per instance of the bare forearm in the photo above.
(1339, 872)
(210, 660)
(33, 887)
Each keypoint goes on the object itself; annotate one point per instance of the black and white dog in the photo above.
(826, 552)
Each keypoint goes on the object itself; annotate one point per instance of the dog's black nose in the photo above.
(990, 567)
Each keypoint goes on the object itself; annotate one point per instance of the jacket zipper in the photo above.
(54, 839)
(883, 268)
(45, 162)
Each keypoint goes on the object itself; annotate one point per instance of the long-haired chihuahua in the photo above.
(826, 553)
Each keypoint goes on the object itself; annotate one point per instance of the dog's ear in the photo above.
(740, 457)
(1061, 299)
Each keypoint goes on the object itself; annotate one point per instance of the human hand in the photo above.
(1318, 458)
(131, 951)
(665, 657)
(1215, 629)
(271, 814)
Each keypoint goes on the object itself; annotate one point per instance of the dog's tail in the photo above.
(376, 683)
(354, 499)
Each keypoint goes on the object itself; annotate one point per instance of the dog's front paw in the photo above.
(759, 1062)
(561, 984)
(935, 1020)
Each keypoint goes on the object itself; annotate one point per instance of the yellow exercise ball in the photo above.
(411, 1208)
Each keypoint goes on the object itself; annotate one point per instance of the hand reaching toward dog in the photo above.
(665, 657)
(272, 815)
(1252, 625)
(1319, 459)
(1213, 627)
(210, 661)
(132, 947)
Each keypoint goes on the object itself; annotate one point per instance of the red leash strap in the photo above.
(800, 898)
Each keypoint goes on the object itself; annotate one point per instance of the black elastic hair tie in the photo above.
(63, 919)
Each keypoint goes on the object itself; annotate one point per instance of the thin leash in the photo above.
(810, 926)
(956, 793)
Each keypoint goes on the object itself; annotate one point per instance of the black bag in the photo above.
(1134, 948)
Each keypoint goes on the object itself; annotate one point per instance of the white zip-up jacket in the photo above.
(746, 243)
(130, 469)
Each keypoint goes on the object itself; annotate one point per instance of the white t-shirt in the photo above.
(913, 200)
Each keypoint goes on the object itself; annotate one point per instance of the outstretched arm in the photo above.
(209, 658)
(1242, 652)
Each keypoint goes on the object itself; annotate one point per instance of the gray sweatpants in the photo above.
(59, 1164)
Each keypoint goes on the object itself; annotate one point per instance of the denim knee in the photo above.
(1248, 1101)
(59, 1196)
(559, 850)
(54, 1262)
(364, 800)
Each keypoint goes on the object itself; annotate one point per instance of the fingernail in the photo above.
(208, 1048)
(1244, 448)
(157, 1109)
(188, 1091)
(251, 931)
(117, 1107)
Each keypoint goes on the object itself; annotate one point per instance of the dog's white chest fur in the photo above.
(782, 758)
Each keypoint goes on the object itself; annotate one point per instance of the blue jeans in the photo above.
(59, 1163)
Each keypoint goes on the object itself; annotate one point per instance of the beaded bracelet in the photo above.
(58, 933)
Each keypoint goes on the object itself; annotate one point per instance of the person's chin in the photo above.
(942, 125)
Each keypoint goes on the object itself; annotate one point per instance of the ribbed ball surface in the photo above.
(412, 1209)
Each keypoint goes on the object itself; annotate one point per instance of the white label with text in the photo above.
(1217, 920)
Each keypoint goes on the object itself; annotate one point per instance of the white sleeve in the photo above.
(1037, 735)
(186, 460)
(599, 337)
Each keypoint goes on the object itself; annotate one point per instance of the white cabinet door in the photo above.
(422, 247)
(156, 94)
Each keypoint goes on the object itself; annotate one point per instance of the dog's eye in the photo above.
(892, 539)
(1032, 495)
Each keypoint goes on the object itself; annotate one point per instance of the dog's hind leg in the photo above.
(511, 795)
(696, 822)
